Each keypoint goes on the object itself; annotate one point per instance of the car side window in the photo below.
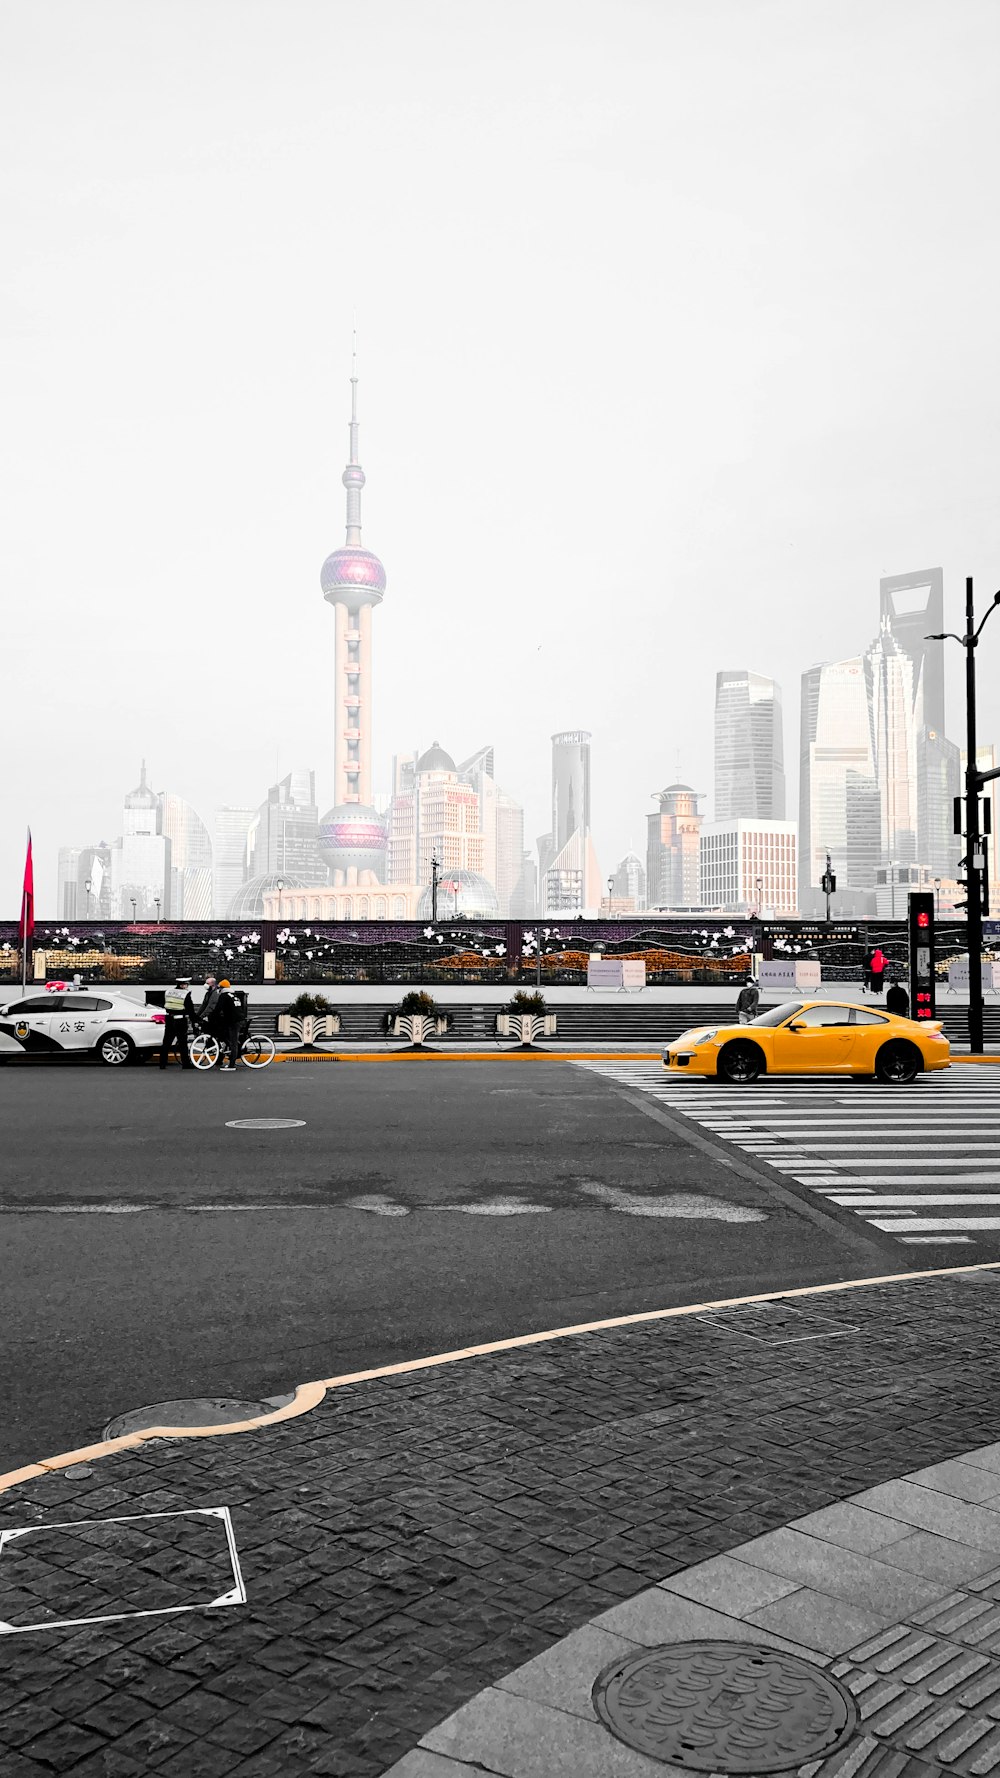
(51, 1003)
(85, 1003)
(861, 1016)
(812, 1016)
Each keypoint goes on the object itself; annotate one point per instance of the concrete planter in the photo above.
(418, 1027)
(309, 1026)
(526, 1027)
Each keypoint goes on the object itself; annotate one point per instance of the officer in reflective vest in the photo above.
(179, 1010)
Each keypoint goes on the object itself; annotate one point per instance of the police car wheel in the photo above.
(115, 1049)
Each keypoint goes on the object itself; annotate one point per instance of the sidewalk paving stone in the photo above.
(420, 1539)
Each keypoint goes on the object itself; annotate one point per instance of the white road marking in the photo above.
(856, 1148)
(678, 1204)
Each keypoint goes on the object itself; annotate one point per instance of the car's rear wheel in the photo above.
(898, 1063)
(740, 1063)
(115, 1049)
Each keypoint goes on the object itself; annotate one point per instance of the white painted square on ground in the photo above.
(96, 1571)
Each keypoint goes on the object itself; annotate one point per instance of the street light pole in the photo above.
(611, 885)
(434, 891)
(974, 781)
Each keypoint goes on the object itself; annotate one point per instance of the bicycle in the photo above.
(255, 1051)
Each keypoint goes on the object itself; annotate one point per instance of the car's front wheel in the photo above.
(897, 1063)
(115, 1049)
(740, 1063)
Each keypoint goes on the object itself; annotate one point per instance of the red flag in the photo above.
(26, 924)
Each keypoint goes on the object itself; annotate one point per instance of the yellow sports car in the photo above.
(813, 1037)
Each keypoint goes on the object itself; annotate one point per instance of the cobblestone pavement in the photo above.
(418, 1536)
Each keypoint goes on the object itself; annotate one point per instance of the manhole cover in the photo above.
(205, 1410)
(724, 1707)
(265, 1123)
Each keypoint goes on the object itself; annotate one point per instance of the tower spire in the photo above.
(354, 475)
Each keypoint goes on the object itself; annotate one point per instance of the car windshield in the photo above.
(776, 1015)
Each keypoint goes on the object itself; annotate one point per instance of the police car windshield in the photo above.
(776, 1015)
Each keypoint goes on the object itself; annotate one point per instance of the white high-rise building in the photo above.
(140, 859)
(750, 867)
(839, 803)
(190, 859)
(749, 748)
(230, 856)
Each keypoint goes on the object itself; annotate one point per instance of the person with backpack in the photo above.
(897, 1001)
(748, 1000)
(229, 1026)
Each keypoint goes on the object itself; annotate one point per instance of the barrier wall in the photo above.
(681, 952)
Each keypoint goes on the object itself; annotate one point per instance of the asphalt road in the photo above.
(150, 1252)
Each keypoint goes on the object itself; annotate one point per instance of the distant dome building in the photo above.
(436, 760)
(248, 902)
(464, 894)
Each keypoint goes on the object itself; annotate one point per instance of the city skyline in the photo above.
(175, 324)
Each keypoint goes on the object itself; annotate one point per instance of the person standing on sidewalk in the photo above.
(897, 1001)
(877, 969)
(206, 1011)
(748, 1000)
(180, 1012)
(228, 1016)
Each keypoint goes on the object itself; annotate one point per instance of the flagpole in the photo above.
(24, 941)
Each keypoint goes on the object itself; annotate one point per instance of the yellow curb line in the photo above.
(309, 1395)
(432, 1055)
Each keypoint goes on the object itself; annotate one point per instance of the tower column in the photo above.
(364, 781)
(341, 714)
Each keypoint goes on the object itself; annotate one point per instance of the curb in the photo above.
(310, 1395)
(533, 1055)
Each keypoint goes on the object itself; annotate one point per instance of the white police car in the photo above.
(62, 1019)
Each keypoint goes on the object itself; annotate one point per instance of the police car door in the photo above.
(27, 1024)
(80, 1021)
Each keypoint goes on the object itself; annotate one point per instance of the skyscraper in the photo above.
(570, 879)
(190, 859)
(913, 607)
(749, 752)
(673, 863)
(230, 833)
(352, 833)
(140, 859)
(283, 835)
(840, 807)
(434, 813)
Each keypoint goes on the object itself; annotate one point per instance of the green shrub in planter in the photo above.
(523, 1001)
(417, 1001)
(309, 1003)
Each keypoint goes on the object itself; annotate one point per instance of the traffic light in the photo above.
(921, 935)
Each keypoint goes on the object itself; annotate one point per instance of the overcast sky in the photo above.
(678, 326)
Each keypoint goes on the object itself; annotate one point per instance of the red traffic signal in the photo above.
(923, 919)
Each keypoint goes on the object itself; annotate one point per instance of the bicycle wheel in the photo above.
(204, 1050)
(257, 1052)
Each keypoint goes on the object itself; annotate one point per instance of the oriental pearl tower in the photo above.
(352, 835)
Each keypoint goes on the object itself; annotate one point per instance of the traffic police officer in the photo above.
(179, 1010)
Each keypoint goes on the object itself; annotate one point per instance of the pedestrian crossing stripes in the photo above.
(863, 1146)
